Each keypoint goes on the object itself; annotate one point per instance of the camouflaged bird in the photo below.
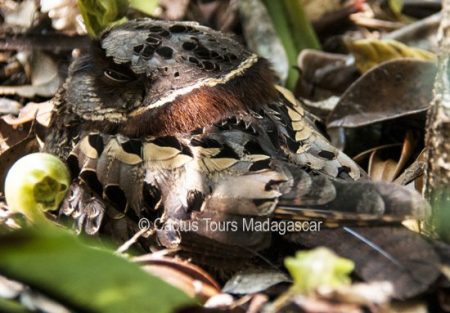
(175, 121)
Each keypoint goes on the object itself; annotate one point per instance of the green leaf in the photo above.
(99, 14)
(295, 32)
(318, 267)
(11, 306)
(396, 6)
(146, 6)
(82, 278)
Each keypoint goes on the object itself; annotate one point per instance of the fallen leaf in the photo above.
(253, 280)
(369, 53)
(391, 90)
(420, 34)
(185, 276)
(381, 170)
(8, 106)
(388, 161)
(13, 134)
(41, 111)
(323, 74)
(321, 108)
(45, 79)
(384, 253)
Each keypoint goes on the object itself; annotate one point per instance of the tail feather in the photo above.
(315, 196)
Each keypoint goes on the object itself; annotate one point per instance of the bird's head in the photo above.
(149, 77)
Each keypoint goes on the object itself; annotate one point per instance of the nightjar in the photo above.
(178, 123)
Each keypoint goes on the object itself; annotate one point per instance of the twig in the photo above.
(126, 245)
(369, 22)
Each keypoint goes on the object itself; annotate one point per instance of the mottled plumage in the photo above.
(177, 121)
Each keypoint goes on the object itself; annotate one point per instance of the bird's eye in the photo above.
(116, 76)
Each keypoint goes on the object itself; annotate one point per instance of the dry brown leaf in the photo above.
(389, 91)
(363, 156)
(323, 74)
(381, 168)
(188, 277)
(12, 135)
(421, 34)
(41, 111)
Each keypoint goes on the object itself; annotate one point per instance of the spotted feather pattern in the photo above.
(237, 168)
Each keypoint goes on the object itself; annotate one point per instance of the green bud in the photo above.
(318, 267)
(36, 183)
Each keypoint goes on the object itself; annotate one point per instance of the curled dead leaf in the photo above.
(387, 162)
(190, 278)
